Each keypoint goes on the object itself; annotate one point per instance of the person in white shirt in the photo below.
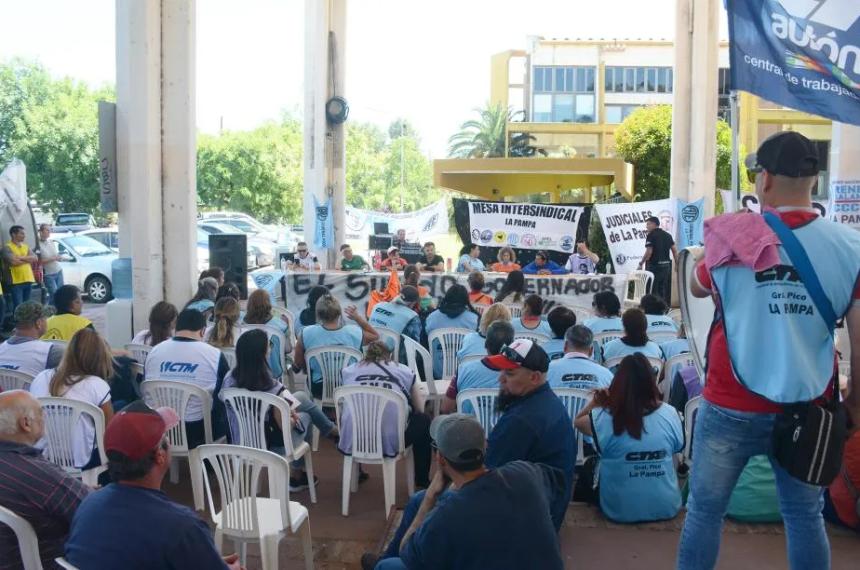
(49, 259)
(583, 261)
(81, 376)
(305, 260)
(576, 369)
(186, 358)
(225, 331)
(23, 351)
(162, 323)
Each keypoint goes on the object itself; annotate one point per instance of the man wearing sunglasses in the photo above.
(305, 260)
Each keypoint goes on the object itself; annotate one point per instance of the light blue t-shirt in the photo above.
(202, 305)
(439, 320)
(275, 347)
(674, 348)
(316, 336)
(659, 323)
(617, 347)
(467, 264)
(576, 371)
(474, 375)
(541, 328)
(603, 324)
(473, 343)
(637, 477)
(554, 348)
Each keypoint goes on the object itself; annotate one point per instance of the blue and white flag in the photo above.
(323, 225)
(804, 54)
(691, 223)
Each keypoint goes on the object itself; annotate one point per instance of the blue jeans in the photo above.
(53, 281)
(723, 441)
(20, 293)
(409, 514)
(390, 564)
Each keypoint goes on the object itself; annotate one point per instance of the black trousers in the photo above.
(662, 286)
(417, 435)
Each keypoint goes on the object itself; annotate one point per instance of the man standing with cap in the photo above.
(658, 245)
(463, 528)
(770, 345)
(131, 523)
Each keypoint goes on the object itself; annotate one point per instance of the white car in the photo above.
(248, 225)
(107, 236)
(87, 265)
(263, 250)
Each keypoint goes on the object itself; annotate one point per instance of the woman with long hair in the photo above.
(162, 324)
(204, 299)
(473, 343)
(476, 289)
(214, 272)
(308, 315)
(411, 276)
(531, 319)
(635, 435)
(455, 311)
(225, 331)
(252, 373)
(607, 311)
(635, 339)
(378, 369)
(82, 375)
(513, 290)
(507, 261)
(259, 312)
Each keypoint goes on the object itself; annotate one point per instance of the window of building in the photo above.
(562, 108)
(614, 114)
(585, 109)
(564, 94)
(724, 82)
(542, 108)
(638, 79)
(629, 79)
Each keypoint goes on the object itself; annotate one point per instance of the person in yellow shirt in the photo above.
(19, 258)
(68, 319)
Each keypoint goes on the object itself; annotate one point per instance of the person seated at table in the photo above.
(634, 433)
(635, 339)
(411, 276)
(583, 261)
(308, 315)
(476, 374)
(513, 290)
(331, 331)
(476, 289)
(559, 319)
(305, 260)
(607, 309)
(350, 261)
(393, 261)
(473, 343)
(507, 261)
(454, 311)
(430, 261)
(469, 260)
(655, 310)
(531, 319)
(543, 265)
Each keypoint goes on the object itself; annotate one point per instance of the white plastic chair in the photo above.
(176, 395)
(55, 341)
(691, 410)
(450, 339)
(537, 338)
(391, 339)
(331, 361)
(14, 380)
(62, 416)
(28, 543)
(283, 340)
(138, 351)
(230, 356)
(483, 403)
(366, 405)
(245, 517)
(434, 390)
(574, 399)
(63, 564)
(642, 281)
(683, 359)
(250, 410)
(675, 315)
(581, 313)
(480, 308)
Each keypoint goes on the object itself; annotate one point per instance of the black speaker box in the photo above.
(230, 253)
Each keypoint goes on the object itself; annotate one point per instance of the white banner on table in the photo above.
(354, 288)
(432, 220)
(624, 228)
(524, 226)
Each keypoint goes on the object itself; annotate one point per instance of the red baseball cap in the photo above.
(522, 352)
(138, 429)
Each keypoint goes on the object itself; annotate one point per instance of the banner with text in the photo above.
(750, 202)
(624, 228)
(804, 54)
(428, 221)
(845, 202)
(525, 226)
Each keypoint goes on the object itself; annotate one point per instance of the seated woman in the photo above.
(531, 319)
(252, 373)
(635, 436)
(260, 313)
(411, 276)
(162, 323)
(204, 299)
(469, 260)
(330, 332)
(378, 369)
(607, 309)
(68, 320)
(81, 375)
(454, 311)
(635, 339)
(308, 315)
(476, 289)
(655, 309)
(507, 261)
(225, 331)
(513, 290)
(473, 343)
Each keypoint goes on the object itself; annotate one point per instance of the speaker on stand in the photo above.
(230, 253)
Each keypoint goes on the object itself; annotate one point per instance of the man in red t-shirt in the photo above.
(734, 423)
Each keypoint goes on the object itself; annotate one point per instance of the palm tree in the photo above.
(485, 137)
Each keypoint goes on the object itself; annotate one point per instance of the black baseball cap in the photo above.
(787, 153)
(523, 353)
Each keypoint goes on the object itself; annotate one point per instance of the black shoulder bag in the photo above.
(809, 438)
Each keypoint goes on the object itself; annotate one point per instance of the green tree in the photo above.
(401, 128)
(485, 137)
(405, 166)
(644, 139)
(22, 85)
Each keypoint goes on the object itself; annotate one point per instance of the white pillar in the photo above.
(179, 148)
(138, 96)
(682, 83)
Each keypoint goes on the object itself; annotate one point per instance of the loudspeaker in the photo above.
(230, 253)
(380, 228)
(379, 242)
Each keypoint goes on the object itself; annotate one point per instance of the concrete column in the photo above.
(179, 148)
(138, 94)
(337, 160)
(703, 109)
(682, 82)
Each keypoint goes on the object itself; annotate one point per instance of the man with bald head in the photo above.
(32, 487)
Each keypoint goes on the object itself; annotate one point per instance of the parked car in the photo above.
(263, 249)
(87, 264)
(107, 236)
(73, 223)
(249, 225)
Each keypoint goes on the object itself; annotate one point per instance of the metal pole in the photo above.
(402, 175)
(734, 109)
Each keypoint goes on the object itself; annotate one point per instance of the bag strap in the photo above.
(398, 384)
(801, 262)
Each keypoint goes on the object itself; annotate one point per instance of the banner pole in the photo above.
(735, 123)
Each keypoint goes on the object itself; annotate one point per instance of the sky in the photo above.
(426, 61)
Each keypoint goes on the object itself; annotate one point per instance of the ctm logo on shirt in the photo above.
(183, 367)
(838, 14)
